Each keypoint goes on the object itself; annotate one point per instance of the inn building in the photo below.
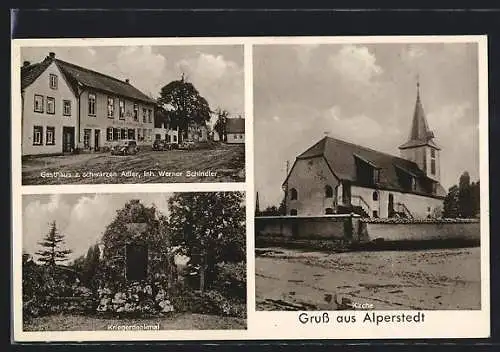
(67, 107)
(336, 176)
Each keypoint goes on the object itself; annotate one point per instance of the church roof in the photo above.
(77, 75)
(420, 134)
(341, 158)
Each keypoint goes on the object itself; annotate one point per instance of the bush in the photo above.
(231, 280)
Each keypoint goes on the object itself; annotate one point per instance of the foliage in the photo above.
(52, 251)
(186, 103)
(220, 124)
(209, 228)
(462, 201)
(89, 267)
(231, 280)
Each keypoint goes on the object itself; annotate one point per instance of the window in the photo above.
(53, 81)
(38, 103)
(67, 107)
(433, 153)
(37, 135)
(121, 109)
(375, 195)
(144, 119)
(124, 133)
(328, 191)
(293, 212)
(414, 183)
(131, 133)
(174, 138)
(109, 134)
(49, 139)
(150, 116)
(375, 214)
(433, 166)
(136, 112)
(293, 194)
(111, 107)
(116, 134)
(157, 136)
(92, 102)
(51, 105)
(328, 211)
(86, 138)
(376, 175)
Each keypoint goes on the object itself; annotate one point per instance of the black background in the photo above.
(210, 22)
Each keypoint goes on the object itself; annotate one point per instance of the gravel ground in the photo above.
(180, 321)
(225, 162)
(434, 279)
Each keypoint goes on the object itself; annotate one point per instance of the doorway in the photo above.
(97, 142)
(390, 206)
(346, 193)
(68, 137)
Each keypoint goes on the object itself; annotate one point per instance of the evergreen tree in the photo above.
(464, 196)
(52, 251)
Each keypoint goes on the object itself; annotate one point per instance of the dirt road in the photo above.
(441, 279)
(224, 163)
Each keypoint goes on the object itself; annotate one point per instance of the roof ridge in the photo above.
(93, 71)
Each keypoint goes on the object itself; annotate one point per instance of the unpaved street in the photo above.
(436, 279)
(223, 163)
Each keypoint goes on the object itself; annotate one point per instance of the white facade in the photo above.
(42, 130)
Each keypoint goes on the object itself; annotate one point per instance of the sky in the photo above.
(82, 218)
(365, 94)
(216, 71)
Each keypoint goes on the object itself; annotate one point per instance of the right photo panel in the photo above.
(367, 176)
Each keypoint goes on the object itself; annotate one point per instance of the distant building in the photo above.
(65, 106)
(164, 132)
(335, 176)
(197, 132)
(235, 130)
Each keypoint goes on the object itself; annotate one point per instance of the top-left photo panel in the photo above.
(131, 114)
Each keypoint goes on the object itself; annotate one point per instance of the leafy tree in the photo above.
(186, 105)
(464, 196)
(450, 204)
(462, 201)
(475, 198)
(209, 228)
(52, 251)
(220, 124)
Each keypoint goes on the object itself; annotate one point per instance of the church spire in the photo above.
(420, 134)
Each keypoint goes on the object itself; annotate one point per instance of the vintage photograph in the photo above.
(131, 114)
(134, 262)
(371, 199)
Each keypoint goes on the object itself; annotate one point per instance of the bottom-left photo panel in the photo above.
(134, 261)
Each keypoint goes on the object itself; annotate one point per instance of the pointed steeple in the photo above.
(420, 134)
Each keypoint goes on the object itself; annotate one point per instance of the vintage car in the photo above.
(187, 145)
(125, 147)
(159, 144)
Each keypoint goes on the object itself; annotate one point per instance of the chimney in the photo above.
(52, 55)
(26, 63)
(127, 80)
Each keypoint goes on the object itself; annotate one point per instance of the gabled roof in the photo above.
(76, 75)
(420, 134)
(341, 158)
(235, 125)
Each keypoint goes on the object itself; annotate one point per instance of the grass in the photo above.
(175, 321)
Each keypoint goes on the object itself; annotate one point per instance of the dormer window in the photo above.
(53, 81)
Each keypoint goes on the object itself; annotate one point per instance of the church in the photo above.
(335, 177)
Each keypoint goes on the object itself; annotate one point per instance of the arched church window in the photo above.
(375, 195)
(328, 191)
(293, 194)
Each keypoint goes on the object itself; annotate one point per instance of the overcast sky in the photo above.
(82, 218)
(216, 71)
(363, 94)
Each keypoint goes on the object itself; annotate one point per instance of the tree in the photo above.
(220, 124)
(462, 201)
(185, 105)
(209, 228)
(464, 196)
(450, 204)
(52, 251)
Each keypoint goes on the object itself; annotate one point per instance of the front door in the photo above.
(390, 207)
(68, 137)
(97, 142)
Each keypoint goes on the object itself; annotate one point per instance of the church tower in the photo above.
(420, 147)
